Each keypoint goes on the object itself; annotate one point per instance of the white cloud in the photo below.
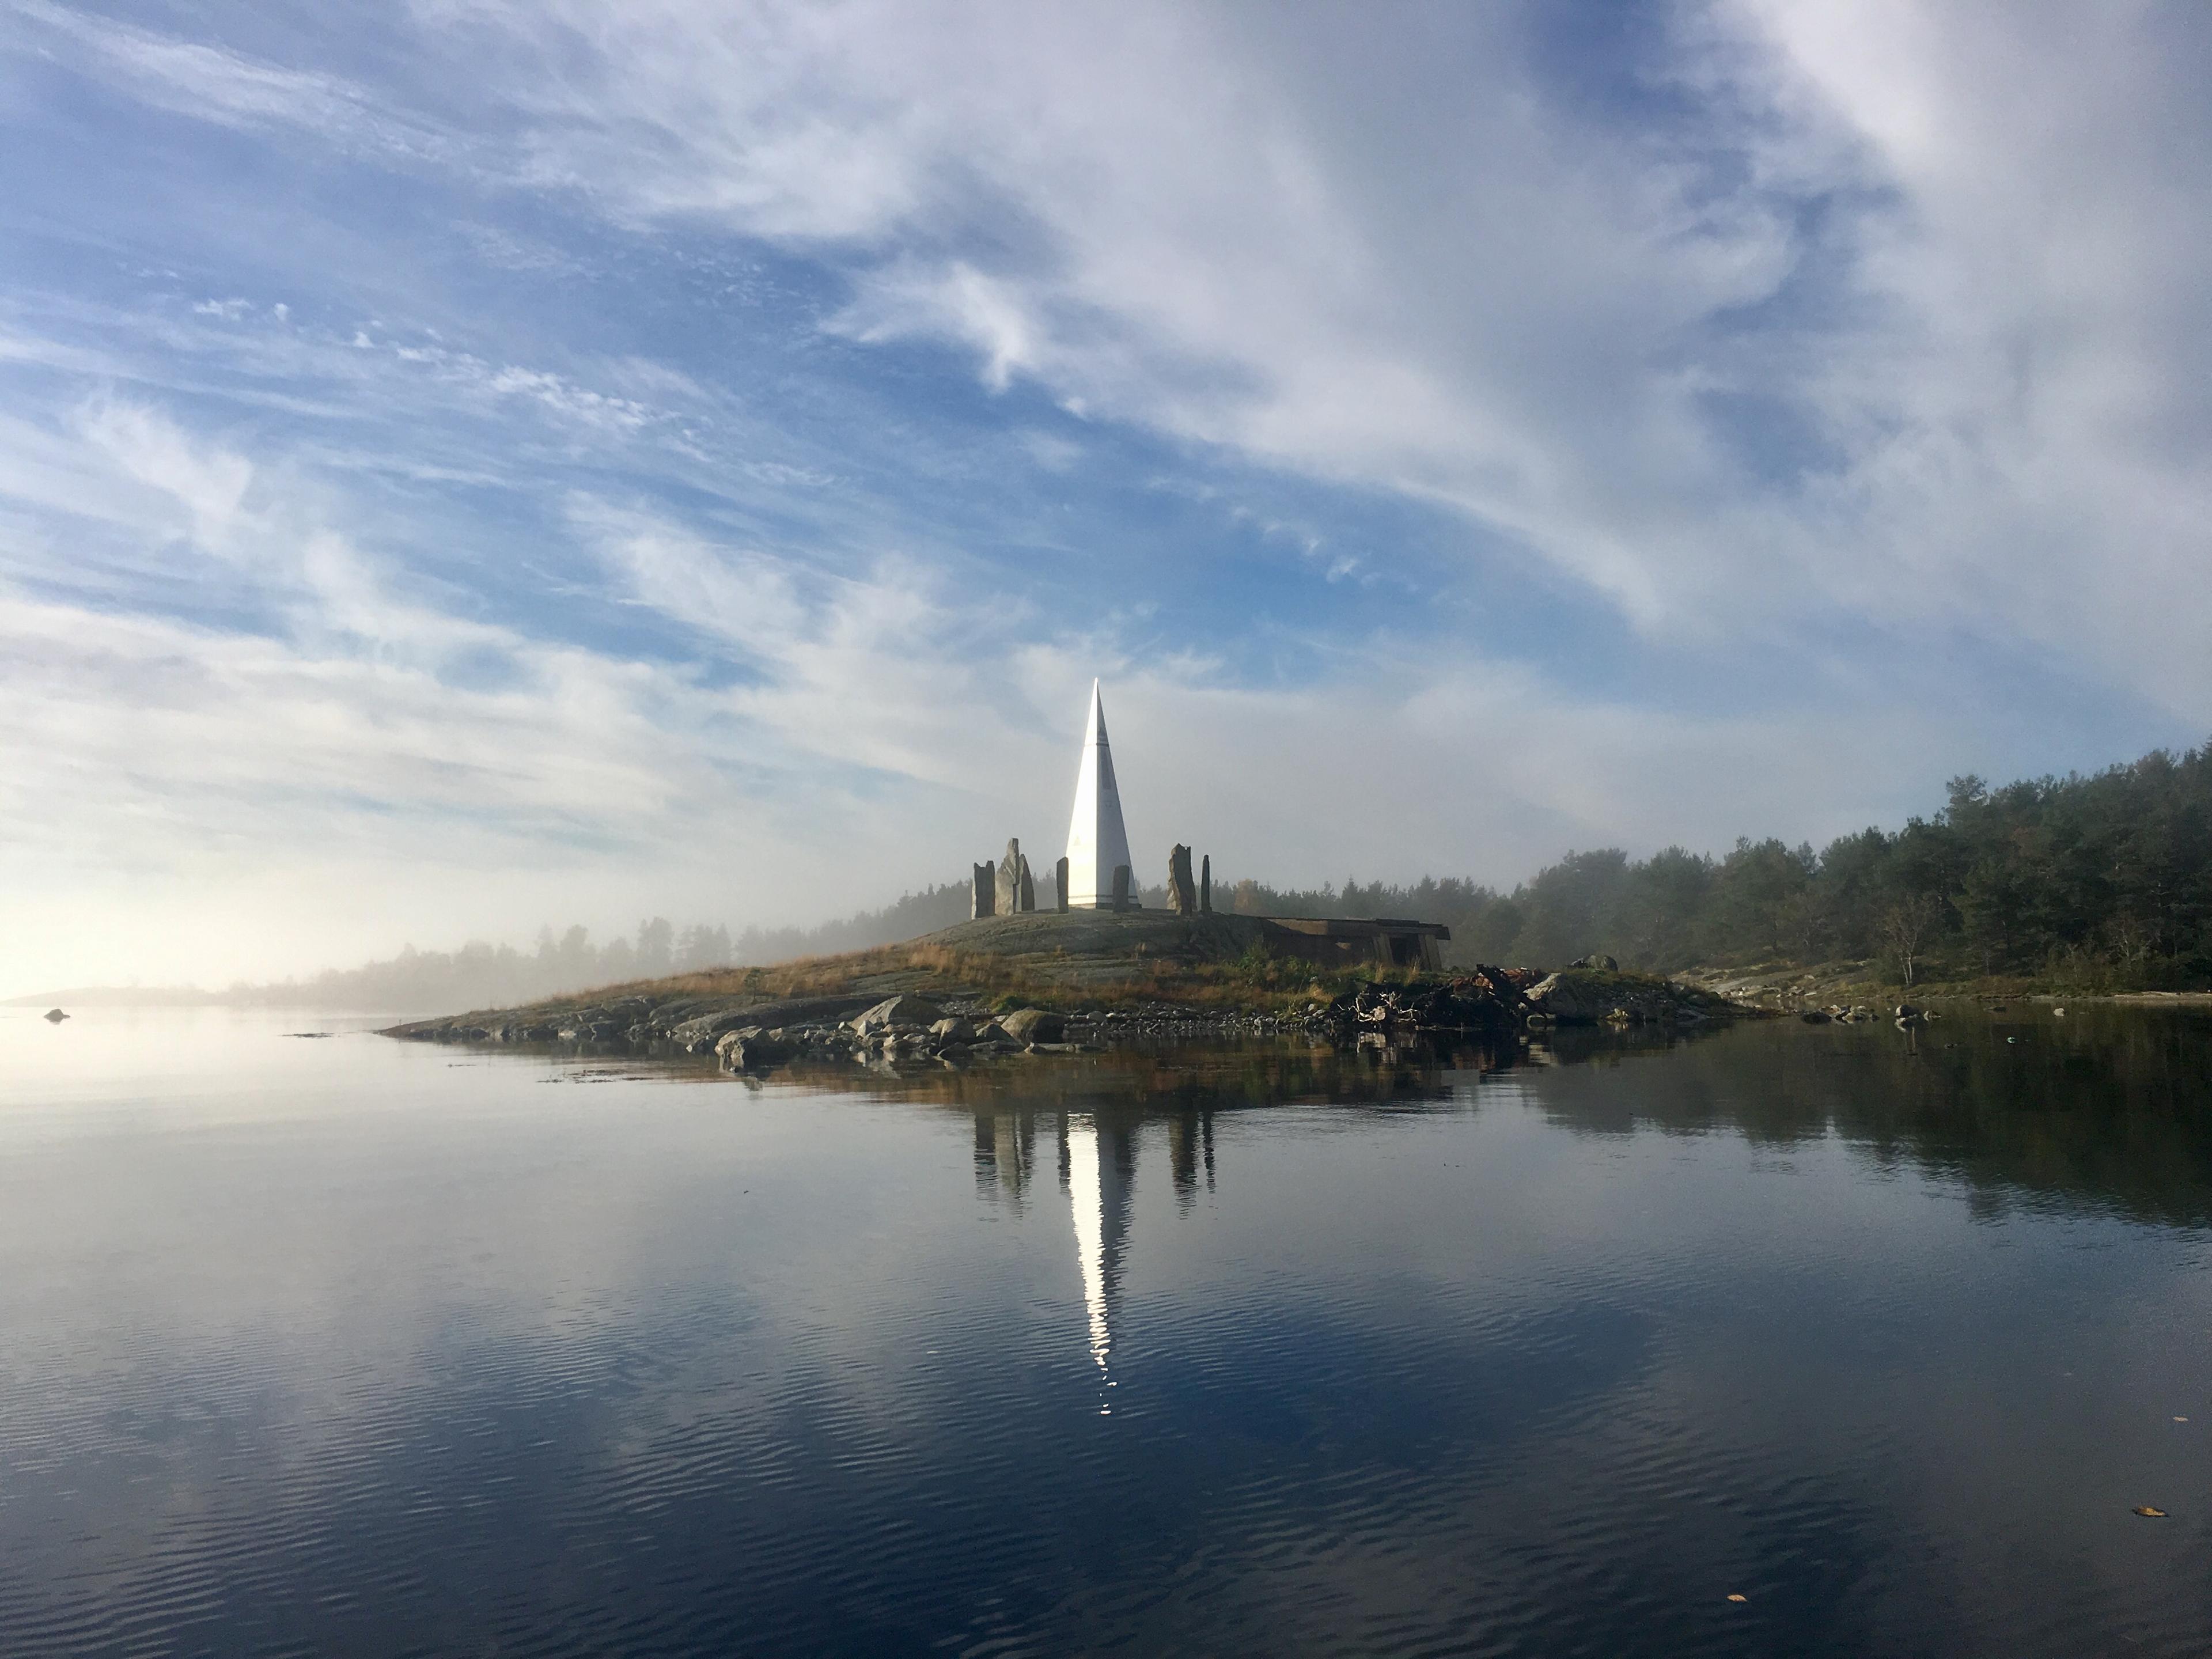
(1396, 256)
(1889, 326)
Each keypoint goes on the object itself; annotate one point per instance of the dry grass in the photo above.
(1255, 981)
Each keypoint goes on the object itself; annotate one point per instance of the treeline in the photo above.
(484, 976)
(2100, 881)
(2094, 881)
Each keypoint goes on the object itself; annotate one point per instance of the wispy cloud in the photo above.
(687, 456)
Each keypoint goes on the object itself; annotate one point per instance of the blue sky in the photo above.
(471, 464)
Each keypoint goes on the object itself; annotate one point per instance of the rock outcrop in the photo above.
(896, 1011)
(1591, 996)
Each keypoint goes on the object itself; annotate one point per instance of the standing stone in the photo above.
(1182, 891)
(1025, 892)
(984, 900)
(1010, 879)
(1120, 887)
(1205, 885)
(1059, 886)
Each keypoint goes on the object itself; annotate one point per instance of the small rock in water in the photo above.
(54, 1016)
(2150, 1511)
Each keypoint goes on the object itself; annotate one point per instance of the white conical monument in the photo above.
(1097, 842)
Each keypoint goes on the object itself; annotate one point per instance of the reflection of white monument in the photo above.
(1097, 844)
(1100, 1171)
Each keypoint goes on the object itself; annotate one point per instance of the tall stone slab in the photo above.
(1182, 891)
(1025, 892)
(1122, 895)
(1059, 887)
(983, 898)
(1205, 885)
(1010, 880)
(1097, 843)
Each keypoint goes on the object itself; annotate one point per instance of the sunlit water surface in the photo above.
(342, 1345)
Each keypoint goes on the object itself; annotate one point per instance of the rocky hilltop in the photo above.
(1042, 979)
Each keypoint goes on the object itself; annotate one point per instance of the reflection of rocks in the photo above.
(1190, 1140)
(1006, 1155)
(1099, 1151)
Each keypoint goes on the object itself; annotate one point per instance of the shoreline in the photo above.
(1040, 981)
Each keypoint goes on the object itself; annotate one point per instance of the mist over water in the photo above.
(338, 1344)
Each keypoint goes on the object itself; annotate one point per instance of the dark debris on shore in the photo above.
(953, 1030)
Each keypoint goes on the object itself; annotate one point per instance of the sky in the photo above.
(467, 464)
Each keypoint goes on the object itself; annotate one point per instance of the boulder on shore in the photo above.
(1033, 1025)
(896, 1011)
(54, 1016)
(750, 1049)
(697, 1036)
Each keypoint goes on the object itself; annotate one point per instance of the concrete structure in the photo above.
(1097, 844)
(1341, 942)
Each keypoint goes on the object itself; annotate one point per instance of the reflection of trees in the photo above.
(2108, 1109)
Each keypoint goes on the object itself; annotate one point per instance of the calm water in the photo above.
(347, 1345)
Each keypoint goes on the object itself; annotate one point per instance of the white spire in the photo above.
(1096, 840)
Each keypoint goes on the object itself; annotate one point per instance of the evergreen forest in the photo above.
(2097, 882)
